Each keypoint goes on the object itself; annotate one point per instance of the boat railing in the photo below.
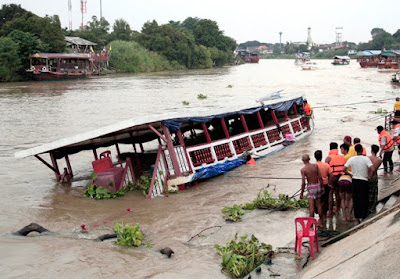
(181, 157)
(233, 147)
(160, 175)
(388, 121)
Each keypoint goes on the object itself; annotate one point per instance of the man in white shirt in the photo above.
(362, 170)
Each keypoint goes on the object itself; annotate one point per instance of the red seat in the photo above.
(306, 227)
(101, 165)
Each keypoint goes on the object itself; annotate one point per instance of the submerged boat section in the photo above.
(179, 148)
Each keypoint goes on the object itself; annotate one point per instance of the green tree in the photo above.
(10, 63)
(27, 44)
(8, 12)
(168, 41)
(121, 31)
(98, 30)
(396, 36)
(47, 29)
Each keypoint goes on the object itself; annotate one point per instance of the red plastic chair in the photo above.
(105, 154)
(306, 227)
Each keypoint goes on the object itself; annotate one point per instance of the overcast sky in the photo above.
(260, 20)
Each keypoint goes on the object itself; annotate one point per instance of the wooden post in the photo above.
(274, 116)
(226, 132)
(55, 166)
(286, 115)
(260, 120)
(118, 152)
(246, 129)
(95, 154)
(208, 138)
(295, 109)
(141, 147)
(68, 166)
(171, 150)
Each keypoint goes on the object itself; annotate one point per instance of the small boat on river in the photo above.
(309, 65)
(301, 58)
(249, 56)
(341, 60)
(179, 148)
(369, 58)
(396, 78)
(389, 61)
(57, 66)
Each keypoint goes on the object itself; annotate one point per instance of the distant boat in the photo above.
(301, 58)
(369, 58)
(309, 65)
(396, 79)
(249, 56)
(341, 60)
(389, 61)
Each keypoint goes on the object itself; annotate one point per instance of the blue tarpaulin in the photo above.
(175, 124)
(217, 169)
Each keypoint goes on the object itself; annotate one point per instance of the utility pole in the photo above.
(83, 11)
(70, 14)
(280, 40)
(101, 11)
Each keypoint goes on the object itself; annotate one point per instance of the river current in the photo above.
(32, 113)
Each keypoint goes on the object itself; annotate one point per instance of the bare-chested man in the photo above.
(373, 183)
(314, 186)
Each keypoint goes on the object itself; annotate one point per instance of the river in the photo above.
(33, 113)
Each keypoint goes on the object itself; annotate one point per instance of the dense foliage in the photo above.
(240, 258)
(128, 235)
(130, 57)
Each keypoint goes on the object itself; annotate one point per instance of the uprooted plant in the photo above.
(264, 200)
(232, 213)
(128, 235)
(240, 258)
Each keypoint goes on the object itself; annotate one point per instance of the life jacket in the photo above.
(364, 152)
(389, 143)
(398, 137)
(307, 109)
(337, 162)
(251, 162)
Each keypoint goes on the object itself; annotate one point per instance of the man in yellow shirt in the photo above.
(396, 107)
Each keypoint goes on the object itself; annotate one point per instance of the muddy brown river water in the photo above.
(35, 113)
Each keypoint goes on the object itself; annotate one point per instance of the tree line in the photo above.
(380, 40)
(193, 43)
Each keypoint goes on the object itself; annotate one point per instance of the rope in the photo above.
(348, 104)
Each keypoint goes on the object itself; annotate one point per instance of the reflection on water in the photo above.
(33, 113)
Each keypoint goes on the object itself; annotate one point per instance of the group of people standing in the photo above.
(345, 182)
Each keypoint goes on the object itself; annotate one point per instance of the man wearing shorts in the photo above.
(314, 186)
(345, 187)
(362, 170)
(325, 171)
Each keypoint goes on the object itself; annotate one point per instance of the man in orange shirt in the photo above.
(325, 171)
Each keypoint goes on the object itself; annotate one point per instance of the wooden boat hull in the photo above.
(49, 76)
(369, 64)
(388, 65)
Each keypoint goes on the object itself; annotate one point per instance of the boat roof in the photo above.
(391, 52)
(137, 127)
(78, 41)
(341, 57)
(369, 53)
(61, 55)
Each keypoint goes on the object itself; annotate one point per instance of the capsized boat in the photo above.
(309, 65)
(184, 147)
(341, 60)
